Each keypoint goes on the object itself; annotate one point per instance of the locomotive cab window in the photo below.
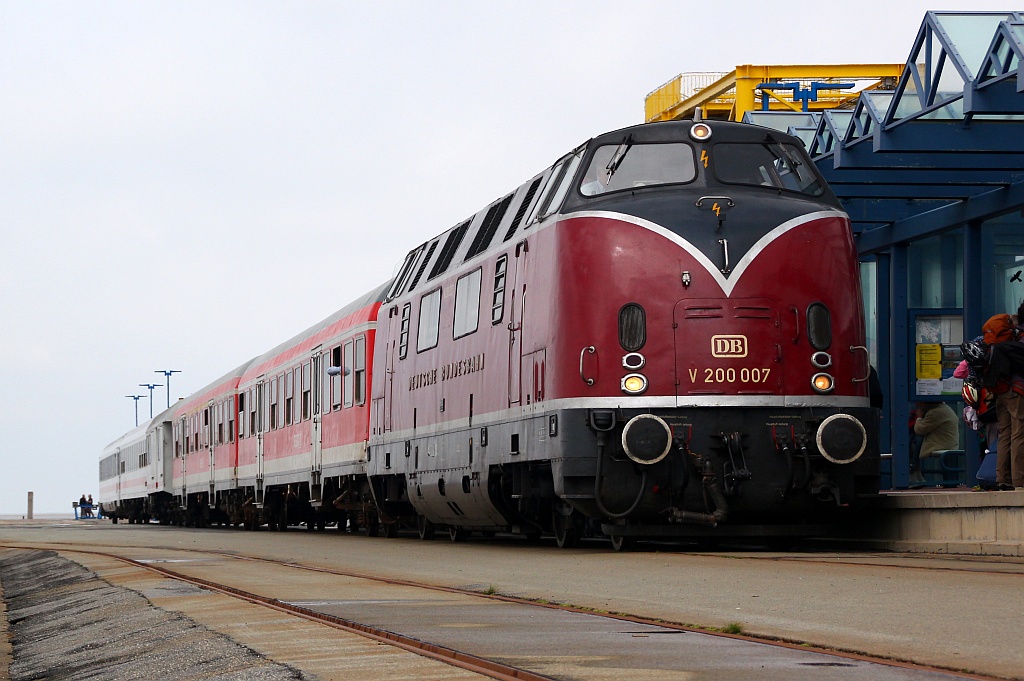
(615, 167)
(766, 164)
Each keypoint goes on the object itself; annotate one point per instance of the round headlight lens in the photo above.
(634, 384)
(822, 383)
(700, 132)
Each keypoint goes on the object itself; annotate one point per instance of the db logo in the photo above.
(728, 346)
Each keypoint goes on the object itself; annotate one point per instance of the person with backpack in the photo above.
(1004, 376)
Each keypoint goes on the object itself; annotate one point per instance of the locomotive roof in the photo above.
(673, 131)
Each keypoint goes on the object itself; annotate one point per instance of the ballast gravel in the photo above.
(67, 623)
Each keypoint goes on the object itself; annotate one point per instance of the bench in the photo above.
(945, 468)
(86, 510)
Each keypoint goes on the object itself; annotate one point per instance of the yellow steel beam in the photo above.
(735, 93)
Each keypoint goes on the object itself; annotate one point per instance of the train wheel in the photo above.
(391, 530)
(424, 528)
(621, 543)
(567, 530)
(456, 533)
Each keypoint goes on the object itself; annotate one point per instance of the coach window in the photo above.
(359, 370)
(219, 420)
(307, 393)
(230, 404)
(403, 337)
(498, 297)
(348, 378)
(272, 405)
(253, 413)
(336, 379)
(289, 401)
(241, 415)
(297, 401)
(429, 321)
(467, 304)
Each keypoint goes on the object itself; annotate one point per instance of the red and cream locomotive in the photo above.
(661, 335)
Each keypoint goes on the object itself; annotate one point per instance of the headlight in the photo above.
(700, 132)
(822, 383)
(634, 384)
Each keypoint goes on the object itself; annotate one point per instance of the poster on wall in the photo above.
(937, 341)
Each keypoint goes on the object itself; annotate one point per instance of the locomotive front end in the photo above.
(709, 285)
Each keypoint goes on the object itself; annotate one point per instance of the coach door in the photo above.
(209, 427)
(517, 308)
(316, 431)
(727, 347)
(260, 423)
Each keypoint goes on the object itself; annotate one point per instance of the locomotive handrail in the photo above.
(796, 314)
(854, 348)
(701, 200)
(591, 349)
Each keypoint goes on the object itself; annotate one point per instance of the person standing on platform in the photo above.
(1003, 376)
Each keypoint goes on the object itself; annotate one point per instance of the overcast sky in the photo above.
(183, 185)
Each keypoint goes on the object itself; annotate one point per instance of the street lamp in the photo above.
(150, 386)
(167, 373)
(136, 398)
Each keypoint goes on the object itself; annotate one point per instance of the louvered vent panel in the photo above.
(632, 327)
(489, 227)
(448, 252)
(423, 266)
(523, 207)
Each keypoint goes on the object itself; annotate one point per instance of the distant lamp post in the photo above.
(167, 373)
(150, 386)
(136, 398)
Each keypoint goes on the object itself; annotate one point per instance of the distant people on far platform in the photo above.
(939, 428)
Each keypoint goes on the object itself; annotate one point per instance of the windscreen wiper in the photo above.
(616, 160)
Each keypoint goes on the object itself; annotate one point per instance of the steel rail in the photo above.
(450, 656)
(422, 647)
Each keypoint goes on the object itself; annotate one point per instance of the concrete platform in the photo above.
(959, 521)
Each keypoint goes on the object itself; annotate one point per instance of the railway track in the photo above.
(433, 640)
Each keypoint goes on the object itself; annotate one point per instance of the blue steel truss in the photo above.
(946, 146)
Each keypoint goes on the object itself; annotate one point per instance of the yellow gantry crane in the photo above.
(727, 96)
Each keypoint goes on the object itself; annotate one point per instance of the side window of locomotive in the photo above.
(430, 316)
(498, 297)
(766, 164)
(557, 186)
(429, 322)
(403, 337)
(614, 167)
(467, 304)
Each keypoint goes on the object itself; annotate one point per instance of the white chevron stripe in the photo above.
(727, 285)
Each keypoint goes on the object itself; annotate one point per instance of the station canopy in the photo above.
(945, 147)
